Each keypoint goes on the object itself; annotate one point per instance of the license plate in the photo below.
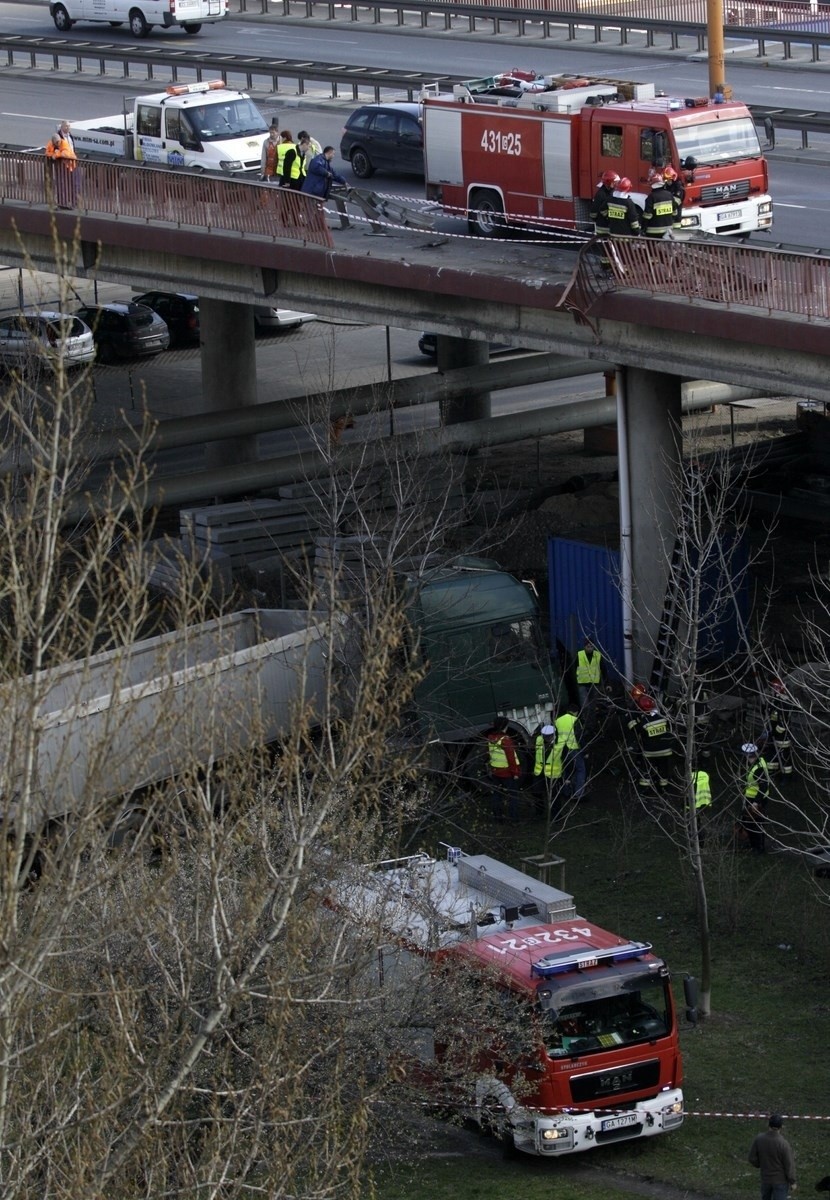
(733, 215)
(619, 1122)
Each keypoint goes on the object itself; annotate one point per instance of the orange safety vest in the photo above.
(63, 151)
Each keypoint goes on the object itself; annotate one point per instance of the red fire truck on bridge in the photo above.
(526, 150)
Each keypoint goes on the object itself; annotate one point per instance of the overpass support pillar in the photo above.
(453, 354)
(228, 372)
(652, 416)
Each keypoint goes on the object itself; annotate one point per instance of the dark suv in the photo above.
(125, 330)
(384, 137)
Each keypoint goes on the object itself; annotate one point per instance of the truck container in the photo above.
(116, 722)
(602, 1061)
(535, 155)
(200, 126)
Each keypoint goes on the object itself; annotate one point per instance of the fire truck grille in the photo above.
(722, 193)
(615, 1080)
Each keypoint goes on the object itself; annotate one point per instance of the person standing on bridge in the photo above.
(622, 213)
(599, 205)
(308, 147)
(321, 175)
(289, 163)
(674, 183)
(61, 153)
(269, 162)
(662, 211)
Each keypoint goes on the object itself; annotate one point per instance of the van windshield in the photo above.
(225, 121)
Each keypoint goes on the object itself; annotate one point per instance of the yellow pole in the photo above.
(717, 69)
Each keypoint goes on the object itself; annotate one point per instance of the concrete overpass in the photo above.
(664, 313)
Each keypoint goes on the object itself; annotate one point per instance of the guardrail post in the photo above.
(447, 20)
(805, 140)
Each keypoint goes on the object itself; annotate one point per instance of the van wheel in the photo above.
(362, 164)
(486, 214)
(191, 29)
(62, 19)
(138, 24)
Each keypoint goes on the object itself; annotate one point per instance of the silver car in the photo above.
(45, 338)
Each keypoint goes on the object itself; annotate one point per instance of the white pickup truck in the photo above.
(202, 126)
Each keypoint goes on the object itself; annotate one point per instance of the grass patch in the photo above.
(763, 1049)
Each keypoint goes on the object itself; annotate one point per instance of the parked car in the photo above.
(384, 137)
(179, 311)
(44, 338)
(125, 330)
(272, 320)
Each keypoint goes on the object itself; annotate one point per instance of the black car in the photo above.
(384, 137)
(428, 345)
(125, 330)
(179, 310)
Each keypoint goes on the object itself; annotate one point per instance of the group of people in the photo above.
(302, 165)
(615, 214)
(559, 770)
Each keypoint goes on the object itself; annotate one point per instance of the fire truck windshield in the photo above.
(719, 141)
(592, 1017)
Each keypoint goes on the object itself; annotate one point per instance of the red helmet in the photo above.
(610, 178)
(624, 185)
(669, 173)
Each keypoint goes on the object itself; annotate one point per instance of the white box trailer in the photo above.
(111, 724)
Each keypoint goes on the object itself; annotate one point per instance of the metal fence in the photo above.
(772, 281)
(134, 191)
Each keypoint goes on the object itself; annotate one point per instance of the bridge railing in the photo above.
(730, 276)
(136, 191)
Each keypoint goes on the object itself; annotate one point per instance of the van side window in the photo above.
(148, 121)
(173, 125)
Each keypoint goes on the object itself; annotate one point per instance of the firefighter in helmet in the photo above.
(623, 213)
(654, 742)
(662, 210)
(599, 205)
(674, 183)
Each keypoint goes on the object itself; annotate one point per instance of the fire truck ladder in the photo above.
(666, 640)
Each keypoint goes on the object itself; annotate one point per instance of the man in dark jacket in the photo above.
(321, 175)
(773, 1155)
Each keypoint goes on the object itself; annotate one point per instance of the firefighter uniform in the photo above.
(623, 216)
(775, 742)
(661, 213)
(655, 744)
(599, 209)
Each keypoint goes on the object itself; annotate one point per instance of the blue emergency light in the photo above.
(557, 964)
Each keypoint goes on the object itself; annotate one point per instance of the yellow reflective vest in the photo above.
(588, 668)
(703, 790)
(548, 759)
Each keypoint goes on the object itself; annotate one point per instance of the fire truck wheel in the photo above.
(486, 215)
(361, 163)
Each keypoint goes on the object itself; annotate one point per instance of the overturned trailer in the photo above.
(111, 724)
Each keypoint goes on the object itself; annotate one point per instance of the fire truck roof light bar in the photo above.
(555, 965)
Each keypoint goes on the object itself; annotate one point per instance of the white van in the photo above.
(140, 15)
